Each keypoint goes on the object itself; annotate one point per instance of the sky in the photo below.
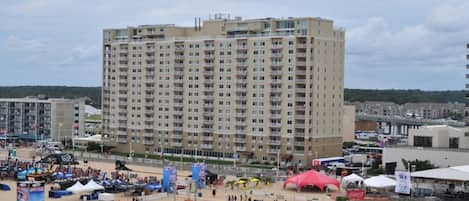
(399, 44)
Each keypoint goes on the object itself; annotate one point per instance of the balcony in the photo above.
(242, 47)
(301, 72)
(276, 81)
(276, 98)
(206, 146)
(276, 55)
(206, 138)
(276, 90)
(276, 46)
(208, 105)
(300, 107)
(276, 64)
(179, 65)
(242, 64)
(206, 121)
(178, 104)
(209, 130)
(121, 141)
(148, 135)
(301, 63)
(300, 99)
(276, 108)
(178, 81)
(301, 45)
(275, 72)
(244, 73)
(240, 148)
(241, 123)
(275, 125)
(147, 142)
(178, 97)
(273, 151)
(241, 115)
(300, 116)
(300, 90)
(208, 73)
(300, 54)
(274, 142)
(178, 88)
(241, 98)
(121, 133)
(178, 121)
(300, 81)
(208, 97)
(177, 128)
(299, 125)
(241, 89)
(275, 133)
(176, 144)
(240, 140)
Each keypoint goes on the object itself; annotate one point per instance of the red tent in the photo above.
(311, 178)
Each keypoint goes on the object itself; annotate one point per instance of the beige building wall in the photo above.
(250, 87)
(349, 123)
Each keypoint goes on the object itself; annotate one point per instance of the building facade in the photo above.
(348, 127)
(230, 88)
(44, 118)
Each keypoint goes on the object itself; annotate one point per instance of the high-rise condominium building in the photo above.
(42, 118)
(254, 89)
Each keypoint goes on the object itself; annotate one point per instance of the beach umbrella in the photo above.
(255, 180)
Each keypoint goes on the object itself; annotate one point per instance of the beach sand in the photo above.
(274, 189)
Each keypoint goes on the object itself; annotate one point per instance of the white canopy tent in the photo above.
(351, 179)
(92, 186)
(76, 188)
(380, 181)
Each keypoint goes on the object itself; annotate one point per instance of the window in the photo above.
(454, 142)
(421, 141)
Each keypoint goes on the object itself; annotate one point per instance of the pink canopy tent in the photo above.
(311, 178)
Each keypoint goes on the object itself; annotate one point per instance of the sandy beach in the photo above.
(274, 190)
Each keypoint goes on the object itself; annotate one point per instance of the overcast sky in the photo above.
(405, 44)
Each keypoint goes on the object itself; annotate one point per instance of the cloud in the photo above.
(17, 43)
(449, 17)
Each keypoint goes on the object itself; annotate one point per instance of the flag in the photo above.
(75, 125)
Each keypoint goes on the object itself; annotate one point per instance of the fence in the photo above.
(218, 168)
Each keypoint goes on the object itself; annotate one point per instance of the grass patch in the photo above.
(96, 117)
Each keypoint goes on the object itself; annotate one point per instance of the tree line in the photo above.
(93, 94)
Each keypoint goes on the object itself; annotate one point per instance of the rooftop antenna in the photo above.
(195, 23)
(200, 28)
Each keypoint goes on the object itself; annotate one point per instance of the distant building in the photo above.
(44, 118)
(442, 145)
(416, 110)
(226, 88)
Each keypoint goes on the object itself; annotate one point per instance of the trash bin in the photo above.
(200, 194)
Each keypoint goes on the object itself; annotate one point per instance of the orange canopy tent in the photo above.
(311, 178)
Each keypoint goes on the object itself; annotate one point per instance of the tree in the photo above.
(419, 164)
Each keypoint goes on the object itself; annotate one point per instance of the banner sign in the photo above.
(403, 183)
(198, 174)
(30, 191)
(356, 194)
(169, 177)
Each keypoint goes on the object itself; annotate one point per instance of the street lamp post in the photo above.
(278, 163)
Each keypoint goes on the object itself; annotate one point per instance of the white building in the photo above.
(442, 145)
